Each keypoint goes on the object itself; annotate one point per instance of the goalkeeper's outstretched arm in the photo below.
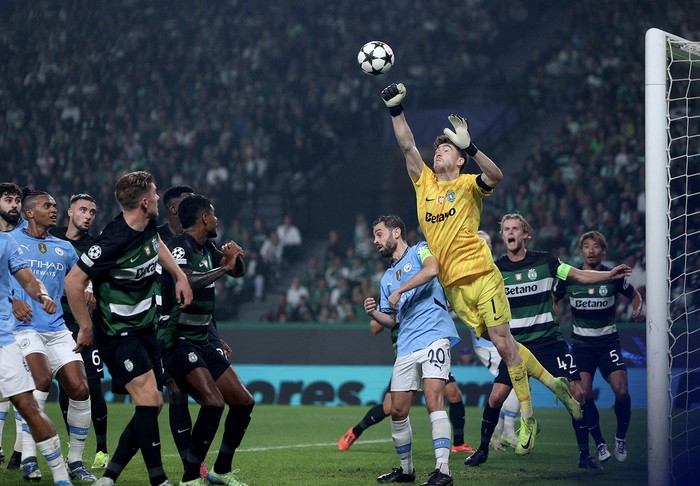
(392, 96)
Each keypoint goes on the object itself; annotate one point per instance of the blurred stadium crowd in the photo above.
(235, 98)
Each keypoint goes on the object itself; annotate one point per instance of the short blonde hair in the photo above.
(526, 226)
(131, 188)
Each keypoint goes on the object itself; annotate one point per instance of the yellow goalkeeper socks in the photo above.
(534, 368)
(518, 376)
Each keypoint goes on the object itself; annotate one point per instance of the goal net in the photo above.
(672, 138)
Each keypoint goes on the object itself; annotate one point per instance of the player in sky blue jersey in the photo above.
(412, 295)
(16, 382)
(47, 345)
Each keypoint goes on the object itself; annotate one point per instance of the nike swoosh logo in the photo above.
(429, 199)
(99, 370)
(182, 431)
(527, 444)
(155, 444)
(132, 260)
(497, 318)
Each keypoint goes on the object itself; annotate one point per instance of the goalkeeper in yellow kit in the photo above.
(449, 206)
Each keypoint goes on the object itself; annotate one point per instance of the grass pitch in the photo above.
(287, 445)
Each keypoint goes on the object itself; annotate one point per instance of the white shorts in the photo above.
(57, 346)
(432, 361)
(489, 357)
(15, 377)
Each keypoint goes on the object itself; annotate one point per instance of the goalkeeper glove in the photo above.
(393, 95)
(460, 137)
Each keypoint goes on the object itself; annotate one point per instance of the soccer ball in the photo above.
(375, 58)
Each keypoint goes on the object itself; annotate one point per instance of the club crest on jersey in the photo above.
(58, 251)
(441, 199)
(192, 357)
(532, 274)
(603, 291)
(398, 275)
(42, 247)
(518, 277)
(451, 196)
(407, 268)
(128, 365)
(94, 252)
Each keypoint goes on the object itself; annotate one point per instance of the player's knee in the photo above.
(497, 398)
(42, 383)
(177, 396)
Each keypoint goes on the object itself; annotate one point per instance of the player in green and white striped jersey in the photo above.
(595, 342)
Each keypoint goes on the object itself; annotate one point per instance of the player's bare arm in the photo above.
(183, 291)
(430, 270)
(637, 314)
(74, 288)
(386, 320)
(36, 289)
(393, 95)
(595, 276)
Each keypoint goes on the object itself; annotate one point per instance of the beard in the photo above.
(10, 218)
(388, 250)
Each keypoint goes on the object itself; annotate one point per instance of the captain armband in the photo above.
(563, 271)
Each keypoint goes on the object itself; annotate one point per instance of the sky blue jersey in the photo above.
(50, 259)
(422, 312)
(11, 261)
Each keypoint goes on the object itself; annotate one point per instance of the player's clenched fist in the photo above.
(393, 95)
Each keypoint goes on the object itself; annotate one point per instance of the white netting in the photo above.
(683, 165)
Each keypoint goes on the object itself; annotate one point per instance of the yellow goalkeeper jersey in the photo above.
(449, 213)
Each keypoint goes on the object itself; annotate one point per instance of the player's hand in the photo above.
(370, 305)
(231, 252)
(22, 310)
(183, 293)
(461, 136)
(47, 303)
(637, 314)
(393, 95)
(227, 349)
(394, 299)
(84, 339)
(620, 271)
(90, 302)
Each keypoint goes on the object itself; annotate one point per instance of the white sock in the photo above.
(79, 425)
(510, 410)
(402, 435)
(18, 431)
(28, 444)
(51, 450)
(442, 431)
(4, 411)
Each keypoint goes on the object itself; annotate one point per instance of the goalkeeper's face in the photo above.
(447, 159)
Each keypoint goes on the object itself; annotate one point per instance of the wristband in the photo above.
(397, 110)
(471, 150)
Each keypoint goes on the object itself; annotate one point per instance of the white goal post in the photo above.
(672, 154)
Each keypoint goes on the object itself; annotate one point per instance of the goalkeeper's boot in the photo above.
(508, 440)
(620, 450)
(101, 460)
(586, 462)
(476, 459)
(227, 479)
(529, 428)
(347, 440)
(562, 390)
(397, 476)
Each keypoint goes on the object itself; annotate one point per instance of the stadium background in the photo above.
(262, 106)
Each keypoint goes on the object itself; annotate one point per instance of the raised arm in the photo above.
(393, 95)
(491, 174)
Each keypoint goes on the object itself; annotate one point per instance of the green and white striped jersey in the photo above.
(121, 263)
(529, 285)
(593, 309)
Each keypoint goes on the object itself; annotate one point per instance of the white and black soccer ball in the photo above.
(375, 58)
